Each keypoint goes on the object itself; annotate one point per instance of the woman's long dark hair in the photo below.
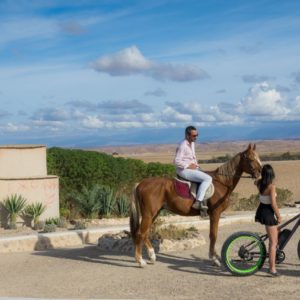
(267, 177)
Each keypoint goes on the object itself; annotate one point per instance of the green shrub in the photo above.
(54, 221)
(80, 225)
(79, 169)
(40, 225)
(64, 212)
(62, 223)
(14, 205)
(50, 227)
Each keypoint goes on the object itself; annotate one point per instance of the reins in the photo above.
(229, 175)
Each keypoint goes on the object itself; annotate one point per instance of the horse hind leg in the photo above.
(150, 250)
(142, 238)
(148, 244)
(138, 251)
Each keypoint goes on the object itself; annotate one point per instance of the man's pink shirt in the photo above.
(185, 155)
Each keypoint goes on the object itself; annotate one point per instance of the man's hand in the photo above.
(193, 166)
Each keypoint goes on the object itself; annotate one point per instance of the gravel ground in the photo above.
(89, 273)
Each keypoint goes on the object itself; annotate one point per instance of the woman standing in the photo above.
(268, 213)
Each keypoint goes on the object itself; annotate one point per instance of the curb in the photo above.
(76, 238)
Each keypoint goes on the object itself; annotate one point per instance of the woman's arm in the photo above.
(274, 202)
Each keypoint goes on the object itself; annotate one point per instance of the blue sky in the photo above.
(75, 69)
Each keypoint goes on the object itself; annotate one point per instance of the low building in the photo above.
(23, 171)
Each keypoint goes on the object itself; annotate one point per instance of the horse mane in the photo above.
(227, 169)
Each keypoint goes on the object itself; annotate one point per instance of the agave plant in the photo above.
(122, 206)
(107, 200)
(14, 204)
(34, 211)
(88, 201)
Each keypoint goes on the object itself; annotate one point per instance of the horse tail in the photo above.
(134, 213)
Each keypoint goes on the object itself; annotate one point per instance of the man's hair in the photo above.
(189, 129)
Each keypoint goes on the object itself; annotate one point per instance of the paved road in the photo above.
(88, 273)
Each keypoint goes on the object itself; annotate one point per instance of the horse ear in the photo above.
(249, 147)
(254, 147)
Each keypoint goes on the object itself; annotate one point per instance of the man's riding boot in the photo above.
(200, 205)
(197, 205)
(203, 205)
(203, 208)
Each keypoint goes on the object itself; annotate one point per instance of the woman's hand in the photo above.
(279, 220)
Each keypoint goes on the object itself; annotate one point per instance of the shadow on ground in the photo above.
(91, 254)
(192, 264)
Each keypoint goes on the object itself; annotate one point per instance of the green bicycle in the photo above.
(244, 253)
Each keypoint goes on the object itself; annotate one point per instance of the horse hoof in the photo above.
(142, 263)
(216, 262)
(152, 256)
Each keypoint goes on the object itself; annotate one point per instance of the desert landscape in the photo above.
(287, 172)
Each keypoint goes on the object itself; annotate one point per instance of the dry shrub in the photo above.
(160, 231)
(284, 198)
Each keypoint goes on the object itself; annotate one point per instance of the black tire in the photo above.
(299, 249)
(243, 253)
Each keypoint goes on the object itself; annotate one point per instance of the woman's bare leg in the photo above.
(272, 232)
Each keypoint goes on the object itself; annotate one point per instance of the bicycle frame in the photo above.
(264, 237)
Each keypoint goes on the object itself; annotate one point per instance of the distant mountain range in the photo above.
(110, 137)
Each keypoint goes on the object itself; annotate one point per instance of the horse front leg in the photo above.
(213, 233)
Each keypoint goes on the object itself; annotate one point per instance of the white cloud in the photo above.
(10, 127)
(126, 62)
(131, 61)
(169, 114)
(189, 107)
(47, 123)
(295, 111)
(92, 122)
(262, 100)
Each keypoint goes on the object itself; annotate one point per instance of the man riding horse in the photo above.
(187, 166)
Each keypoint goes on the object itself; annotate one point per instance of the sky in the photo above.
(112, 71)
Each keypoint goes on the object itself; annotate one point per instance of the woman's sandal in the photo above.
(274, 274)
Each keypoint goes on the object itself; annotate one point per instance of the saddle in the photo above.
(188, 189)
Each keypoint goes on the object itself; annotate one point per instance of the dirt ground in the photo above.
(89, 273)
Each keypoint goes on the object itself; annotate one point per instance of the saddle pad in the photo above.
(187, 189)
(182, 188)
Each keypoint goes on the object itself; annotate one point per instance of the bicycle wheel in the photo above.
(243, 253)
(299, 249)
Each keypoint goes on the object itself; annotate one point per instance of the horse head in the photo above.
(251, 163)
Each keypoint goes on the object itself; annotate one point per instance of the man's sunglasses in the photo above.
(194, 135)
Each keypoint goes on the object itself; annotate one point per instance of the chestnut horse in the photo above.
(153, 194)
